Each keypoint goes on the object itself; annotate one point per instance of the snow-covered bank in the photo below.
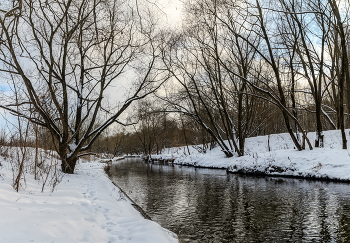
(275, 155)
(84, 207)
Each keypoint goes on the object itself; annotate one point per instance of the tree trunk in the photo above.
(319, 135)
(241, 135)
(68, 165)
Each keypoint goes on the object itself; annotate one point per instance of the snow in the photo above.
(84, 207)
(282, 159)
(87, 207)
(72, 147)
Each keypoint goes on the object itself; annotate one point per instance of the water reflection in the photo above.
(204, 205)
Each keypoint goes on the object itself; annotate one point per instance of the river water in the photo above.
(206, 205)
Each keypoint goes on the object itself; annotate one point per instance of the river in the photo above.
(207, 205)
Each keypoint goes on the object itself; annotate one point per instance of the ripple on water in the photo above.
(203, 205)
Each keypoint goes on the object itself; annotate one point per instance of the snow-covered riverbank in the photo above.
(84, 207)
(275, 155)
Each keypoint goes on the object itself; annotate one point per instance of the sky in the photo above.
(170, 13)
(172, 10)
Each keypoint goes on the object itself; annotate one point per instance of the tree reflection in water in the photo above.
(204, 205)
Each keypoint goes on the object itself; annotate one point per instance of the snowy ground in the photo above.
(84, 207)
(87, 207)
(283, 159)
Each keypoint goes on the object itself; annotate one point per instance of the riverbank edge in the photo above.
(308, 177)
(133, 203)
(251, 172)
(271, 155)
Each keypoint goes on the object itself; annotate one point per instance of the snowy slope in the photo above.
(276, 155)
(85, 207)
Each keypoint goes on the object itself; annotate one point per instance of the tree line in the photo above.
(233, 55)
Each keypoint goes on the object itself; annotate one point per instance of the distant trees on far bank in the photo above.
(234, 57)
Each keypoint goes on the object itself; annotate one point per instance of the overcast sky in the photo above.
(170, 14)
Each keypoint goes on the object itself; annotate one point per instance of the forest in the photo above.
(232, 70)
(240, 69)
(174, 120)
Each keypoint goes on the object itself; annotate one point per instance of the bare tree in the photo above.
(270, 74)
(313, 28)
(341, 50)
(67, 54)
(201, 97)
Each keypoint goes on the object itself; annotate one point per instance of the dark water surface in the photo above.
(205, 205)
